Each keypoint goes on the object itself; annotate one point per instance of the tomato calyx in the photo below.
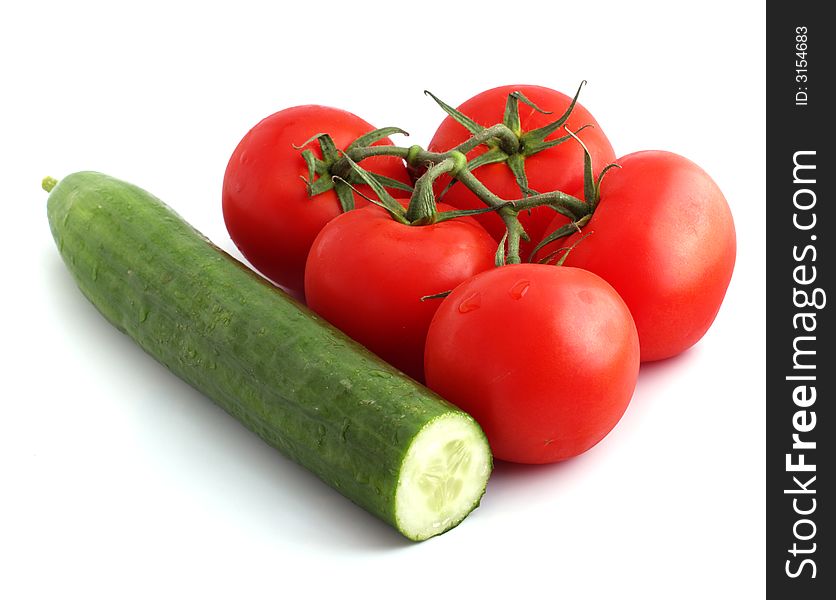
(436, 296)
(507, 142)
(592, 196)
(561, 254)
(327, 172)
(385, 200)
(422, 207)
(578, 211)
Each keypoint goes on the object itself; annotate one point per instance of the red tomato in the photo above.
(663, 237)
(545, 359)
(557, 168)
(266, 207)
(366, 274)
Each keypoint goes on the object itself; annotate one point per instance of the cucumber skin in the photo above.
(300, 384)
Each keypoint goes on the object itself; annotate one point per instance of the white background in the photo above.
(120, 481)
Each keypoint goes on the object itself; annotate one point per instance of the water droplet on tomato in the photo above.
(471, 303)
(519, 289)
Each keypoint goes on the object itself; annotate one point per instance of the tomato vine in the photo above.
(505, 142)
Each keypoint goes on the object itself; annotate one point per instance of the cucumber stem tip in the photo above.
(48, 183)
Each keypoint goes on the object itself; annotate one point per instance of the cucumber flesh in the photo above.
(443, 476)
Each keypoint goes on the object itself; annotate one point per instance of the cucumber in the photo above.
(384, 441)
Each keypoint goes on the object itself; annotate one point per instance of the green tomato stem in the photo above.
(554, 199)
(358, 154)
(508, 141)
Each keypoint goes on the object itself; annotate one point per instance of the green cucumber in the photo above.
(384, 441)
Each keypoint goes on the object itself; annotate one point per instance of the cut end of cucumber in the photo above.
(443, 476)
